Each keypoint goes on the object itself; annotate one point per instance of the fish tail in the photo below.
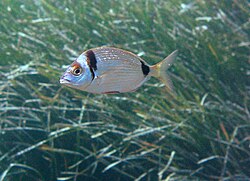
(159, 70)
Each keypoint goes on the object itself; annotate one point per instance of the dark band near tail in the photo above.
(145, 68)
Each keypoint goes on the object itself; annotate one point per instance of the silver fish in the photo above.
(107, 70)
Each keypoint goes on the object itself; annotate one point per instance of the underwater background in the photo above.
(50, 132)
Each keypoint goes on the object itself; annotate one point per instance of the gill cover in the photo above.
(78, 75)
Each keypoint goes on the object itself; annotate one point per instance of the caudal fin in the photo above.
(159, 70)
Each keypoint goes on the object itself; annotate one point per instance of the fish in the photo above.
(110, 70)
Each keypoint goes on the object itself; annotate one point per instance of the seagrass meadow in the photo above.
(50, 132)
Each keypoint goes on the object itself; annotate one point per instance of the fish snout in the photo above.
(64, 80)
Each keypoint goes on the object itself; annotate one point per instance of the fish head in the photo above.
(78, 74)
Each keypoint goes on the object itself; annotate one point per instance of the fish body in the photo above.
(106, 70)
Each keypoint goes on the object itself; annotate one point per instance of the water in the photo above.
(50, 132)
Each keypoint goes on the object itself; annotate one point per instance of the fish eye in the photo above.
(76, 70)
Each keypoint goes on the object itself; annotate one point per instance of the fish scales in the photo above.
(116, 71)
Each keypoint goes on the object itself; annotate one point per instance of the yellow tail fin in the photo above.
(159, 70)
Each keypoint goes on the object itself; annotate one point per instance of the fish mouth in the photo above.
(64, 81)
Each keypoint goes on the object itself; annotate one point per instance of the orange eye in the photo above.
(76, 70)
